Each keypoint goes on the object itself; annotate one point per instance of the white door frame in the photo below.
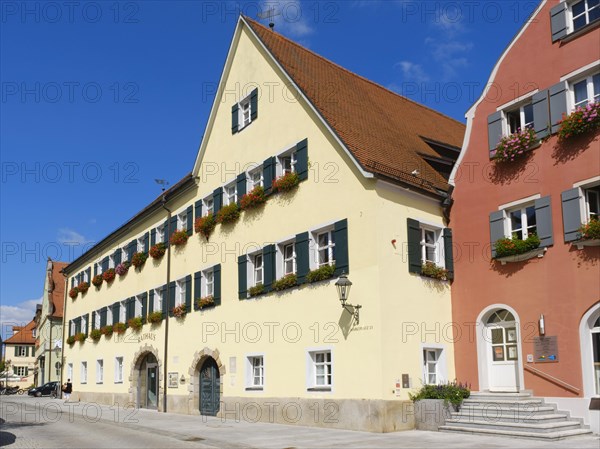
(482, 347)
(587, 357)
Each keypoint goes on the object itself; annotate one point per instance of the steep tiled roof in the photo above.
(24, 336)
(57, 285)
(383, 130)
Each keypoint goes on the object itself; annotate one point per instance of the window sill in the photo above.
(539, 252)
(254, 388)
(580, 32)
(581, 243)
(118, 381)
(316, 389)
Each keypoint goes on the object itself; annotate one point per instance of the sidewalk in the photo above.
(217, 432)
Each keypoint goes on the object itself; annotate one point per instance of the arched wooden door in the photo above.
(210, 388)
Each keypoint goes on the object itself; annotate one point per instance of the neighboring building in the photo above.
(536, 321)
(373, 169)
(48, 341)
(19, 350)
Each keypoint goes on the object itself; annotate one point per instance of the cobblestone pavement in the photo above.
(49, 423)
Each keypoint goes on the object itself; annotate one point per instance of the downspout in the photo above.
(62, 344)
(166, 354)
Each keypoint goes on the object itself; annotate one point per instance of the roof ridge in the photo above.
(329, 61)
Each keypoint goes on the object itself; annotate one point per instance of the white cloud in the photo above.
(450, 55)
(17, 315)
(68, 236)
(412, 72)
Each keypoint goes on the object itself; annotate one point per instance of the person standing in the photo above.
(68, 389)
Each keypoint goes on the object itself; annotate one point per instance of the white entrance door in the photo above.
(503, 359)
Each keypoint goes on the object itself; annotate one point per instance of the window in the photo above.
(158, 299)
(208, 278)
(592, 203)
(21, 371)
(181, 221)
(287, 163)
(138, 305)
(230, 194)
(430, 245)
(73, 328)
(83, 374)
(584, 12)
(86, 277)
(256, 372)
(20, 351)
(180, 292)
(83, 325)
(99, 371)
(123, 312)
(111, 259)
(208, 205)
(33, 332)
(75, 281)
(118, 370)
(321, 370)
(257, 268)
(325, 245)
(160, 233)
(520, 118)
(98, 268)
(140, 245)
(109, 316)
(586, 91)
(522, 222)
(97, 320)
(124, 254)
(255, 178)
(70, 371)
(430, 366)
(289, 258)
(245, 112)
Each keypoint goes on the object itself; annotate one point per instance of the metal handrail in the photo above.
(553, 379)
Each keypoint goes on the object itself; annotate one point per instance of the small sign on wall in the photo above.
(173, 380)
(545, 349)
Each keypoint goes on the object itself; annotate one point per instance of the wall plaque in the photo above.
(545, 349)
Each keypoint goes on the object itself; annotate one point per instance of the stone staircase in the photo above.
(513, 415)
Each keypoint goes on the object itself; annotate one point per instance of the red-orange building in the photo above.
(536, 314)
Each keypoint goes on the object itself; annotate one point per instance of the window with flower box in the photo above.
(157, 299)
(519, 118)
(324, 244)
(255, 179)
(180, 292)
(286, 163)
(208, 287)
(207, 283)
(585, 91)
(230, 194)
(429, 245)
(580, 206)
(208, 205)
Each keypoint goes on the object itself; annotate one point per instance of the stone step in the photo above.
(517, 426)
(521, 403)
(549, 436)
(542, 418)
(506, 410)
(486, 395)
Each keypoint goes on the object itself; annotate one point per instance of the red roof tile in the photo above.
(23, 336)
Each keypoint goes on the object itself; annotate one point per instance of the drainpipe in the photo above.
(165, 369)
(64, 326)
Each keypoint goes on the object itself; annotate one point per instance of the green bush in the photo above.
(451, 392)
(95, 334)
(258, 289)
(320, 274)
(512, 247)
(135, 323)
(155, 317)
(431, 270)
(288, 281)
(228, 214)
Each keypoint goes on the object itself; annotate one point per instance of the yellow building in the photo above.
(19, 355)
(355, 181)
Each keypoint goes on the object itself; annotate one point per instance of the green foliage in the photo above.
(207, 301)
(451, 392)
(288, 281)
(512, 247)
(258, 289)
(286, 182)
(228, 214)
(80, 337)
(591, 230)
(95, 334)
(205, 225)
(107, 330)
(71, 340)
(155, 317)
(431, 270)
(119, 328)
(135, 323)
(139, 259)
(320, 274)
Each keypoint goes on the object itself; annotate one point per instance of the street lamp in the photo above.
(343, 285)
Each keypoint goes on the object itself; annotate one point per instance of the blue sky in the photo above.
(100, 98)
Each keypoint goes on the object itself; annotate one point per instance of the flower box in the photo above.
(135, 323)
(539, 252)
(139, 259)
(515, 246)
(106, 330)
(255, 198)
(73, 293)
(109, 275)
(83, 287)
(205, 225)
(431, 270)
(515, 145)
(158, 250)
(288, 281)
(285, 183)
(581, 121)
(256, 290)
(97, 280)
(155, 317)
(71, 340)
(95, 334)
(228, 214)
(122, 269)
(179, 311)
(80, 337)
(179, 238)
(207, 301)
(320, 274)
(119, 328)
(583, 243)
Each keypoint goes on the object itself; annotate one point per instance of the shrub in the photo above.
(135, 323)
(228, 214)
(288, 281)
(179, 238)
(591, 230)
(451, 392)
(580, 121)
(258, 289)
(83, 287)
(514, 145)
(431, 270)
(512, 247)
(73, 293)
(119, 328)
(158, 250)
(80, 337)
(107, 330)
(122, 269)
(179, 311)
(155, 317)
(71, 340)
(207, 301)
(139, 259)
(95, 334)
(286, 182)
(205, 225)
(97, 280)
(256, 197)
(109, 275)
(321, 273)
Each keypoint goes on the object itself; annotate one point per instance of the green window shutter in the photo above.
(558, 20)
(173, 225)
(146, 242)
(95, 269)
(543, 218)
(302, 159)
(268, 173)
(541, 114)
(165, 300)
(217, 200)
(153, 237)
(89, 273)
(105, 264)
(131, 308)
(198, 209)
(15, 370)
(197, 288)
(494, 131)
(558, 104)
(87, 324)
(131, 249)
(268, 266)
(235, 118)
(73, 282)
(571, 214)
(93, 320)
(69, 330)
(254, 104)
(117, 257)
(151, 302)
(116, 309)
(241, 186)
(190, 220)
(144, 305)
(496, 229)
(340, 250)
(172, 291)
(26, 371)
(167, 232)
(103, 316)
(448, 252)
(188, 293)
(415, 262)
(242, 276)
(77, 325)
(217, 284)
(302, 256)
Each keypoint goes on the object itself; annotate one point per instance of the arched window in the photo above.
(500, 316)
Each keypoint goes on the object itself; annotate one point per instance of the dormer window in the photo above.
(245, 117)
(244, 112)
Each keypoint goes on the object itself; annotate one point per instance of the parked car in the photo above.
(49, 388)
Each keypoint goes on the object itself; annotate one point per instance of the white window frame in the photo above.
(208, 288)
(282, 259)
(571, 17)
(98, 268)
(124, 255)
(97, 320)
(258, 269)
(251, 377)
(181, 221)
(312, 369)
(140, 244)
(111, 259)
(119, 368)
(230, 195)
(591, 97)
(99, 371)
(20, 351)
(109, 316)
(208, 205)
(441, 371)
(123, 311)
(21, 371)
(138, 306)
(244, 112)
(160, 234)
(317, 248)
(291, 155)
(158, 299)
(73, 328)
(84, 324)
(85, 276)
(70, 371)
(438, 246)
(522, 123)
(524, 223)
(584, 207)
(83, 373)
(180, 288)
(255, 178)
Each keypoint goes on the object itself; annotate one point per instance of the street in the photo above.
(28, 422)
